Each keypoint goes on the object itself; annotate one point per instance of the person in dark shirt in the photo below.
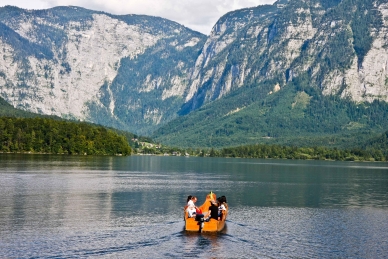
(213, 209)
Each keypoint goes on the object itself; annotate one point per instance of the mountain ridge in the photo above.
(84, 51)
(336, 47)
(273, 64)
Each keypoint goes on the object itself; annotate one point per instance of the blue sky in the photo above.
(199, 15)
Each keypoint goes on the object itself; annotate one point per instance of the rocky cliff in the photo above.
(123, 71)
(138, 72)
(340, 46)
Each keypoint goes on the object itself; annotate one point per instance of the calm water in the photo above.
(131, 207)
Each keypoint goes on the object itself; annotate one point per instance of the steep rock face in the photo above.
(340, 46)
(65, 61)
(348, 55)
(88, 59)
(370, 81)
(222, 66)
(138, 73)
(250, 46)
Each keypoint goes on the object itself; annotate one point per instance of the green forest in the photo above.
(373, 149)
(314, 153)
(51, 136)
(43, 135)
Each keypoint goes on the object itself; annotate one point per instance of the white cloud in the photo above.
(198, 15)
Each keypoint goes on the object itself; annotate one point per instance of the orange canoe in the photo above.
(212, 225)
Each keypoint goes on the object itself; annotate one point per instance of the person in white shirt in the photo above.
(190, 201)
(193, 210)
(220, 209)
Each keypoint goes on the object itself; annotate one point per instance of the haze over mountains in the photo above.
(275, 73)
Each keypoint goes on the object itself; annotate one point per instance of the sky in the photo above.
(199, 15)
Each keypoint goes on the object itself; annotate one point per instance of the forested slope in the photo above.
(374, 150)
(299, 115)
(42, 135)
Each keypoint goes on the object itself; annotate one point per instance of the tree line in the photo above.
(293, 152)
(376, 150)
(42, 135)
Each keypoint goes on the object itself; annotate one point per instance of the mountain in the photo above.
(340, 46)
(127, 72)
(298, 72)
(291, 117)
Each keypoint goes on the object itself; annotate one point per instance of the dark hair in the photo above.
(189, 198)
(221, 199)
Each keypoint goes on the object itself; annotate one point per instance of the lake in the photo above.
(132, 207)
